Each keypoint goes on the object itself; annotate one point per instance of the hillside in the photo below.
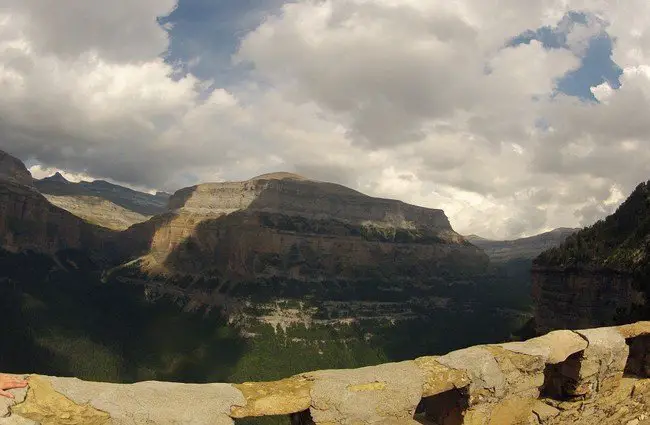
(28, 222)
(523, 248)
(102, 203)
(620, 242)
(599, 275)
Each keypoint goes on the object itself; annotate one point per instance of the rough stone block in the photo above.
(555, 346)
(603, 361)
(367, 395)
(487, 379)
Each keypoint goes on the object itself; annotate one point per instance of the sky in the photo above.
(513, 116)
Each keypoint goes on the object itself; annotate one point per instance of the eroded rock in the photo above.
(367, 395)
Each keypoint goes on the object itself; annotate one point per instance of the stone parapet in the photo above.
(565, 377)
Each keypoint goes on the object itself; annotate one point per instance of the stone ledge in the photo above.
(497, 384)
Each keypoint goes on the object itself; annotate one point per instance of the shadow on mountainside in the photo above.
(132, 200)
(261, 255)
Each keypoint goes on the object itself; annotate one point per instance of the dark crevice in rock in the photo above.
(300, 418)
(561, 379)
(638, 361)
(444, 409)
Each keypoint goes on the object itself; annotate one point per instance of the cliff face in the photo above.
(102, 203)
(599, 276)
(582, 377)
(285, 226)
(579, 299)
(13, 170)
(28, 222)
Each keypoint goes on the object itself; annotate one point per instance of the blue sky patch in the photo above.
(596, 66)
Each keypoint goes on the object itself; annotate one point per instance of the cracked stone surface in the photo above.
(603, 361)
(154, 402)
(282, 397)
(440, 378)
(367, 395)
(487, 379)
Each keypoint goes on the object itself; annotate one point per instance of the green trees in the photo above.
(619, 242)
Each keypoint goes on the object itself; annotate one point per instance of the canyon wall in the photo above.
(584, 298)
(284, 226)
(565, 377)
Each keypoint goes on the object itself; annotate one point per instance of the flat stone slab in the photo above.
(388, 392)
(62, 401)
(555, 347)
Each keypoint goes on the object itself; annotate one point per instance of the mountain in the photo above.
(285, 226)
(102, 203)
(237, 281)
(13, 170)
(599, 275)
(523, 248)
(28, 222)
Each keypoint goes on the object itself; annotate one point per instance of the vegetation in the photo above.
(621, 242)
(70, 323)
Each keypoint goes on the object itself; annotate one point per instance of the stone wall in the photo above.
(596, 376)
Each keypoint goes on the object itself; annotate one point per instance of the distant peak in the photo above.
(57, 177)
(282, 175)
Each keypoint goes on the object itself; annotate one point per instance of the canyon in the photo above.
(256, 280)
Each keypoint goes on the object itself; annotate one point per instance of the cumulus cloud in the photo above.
(428, 101)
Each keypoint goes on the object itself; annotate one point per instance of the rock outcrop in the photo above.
(13, 170)
(28, 222)
(285, 226)
(564, 377)
(599, 275)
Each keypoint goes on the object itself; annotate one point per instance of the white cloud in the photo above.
(418, 99)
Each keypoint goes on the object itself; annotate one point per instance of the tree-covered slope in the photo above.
(621, 242)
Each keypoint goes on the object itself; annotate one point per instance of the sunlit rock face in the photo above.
(283, 225)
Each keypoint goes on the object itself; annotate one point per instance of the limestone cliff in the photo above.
(28, 222)
(285, 226)
(581, 377)
(599, 275)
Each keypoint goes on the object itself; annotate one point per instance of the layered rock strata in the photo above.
(285, 226)
(564, 377)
